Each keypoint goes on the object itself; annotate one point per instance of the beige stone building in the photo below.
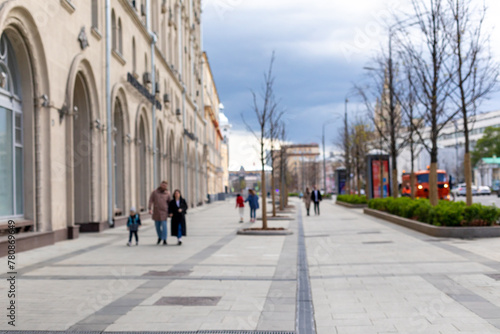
(214, 141)
(54, 124)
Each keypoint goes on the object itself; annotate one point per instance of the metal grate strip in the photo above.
(159, 332)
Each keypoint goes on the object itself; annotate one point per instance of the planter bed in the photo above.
(438, 231)
(351, 206)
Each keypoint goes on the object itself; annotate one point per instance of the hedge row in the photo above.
(352, 199)
(444, 214)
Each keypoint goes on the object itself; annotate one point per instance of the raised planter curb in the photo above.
(351, 206)
(264, 232)
(437, 231)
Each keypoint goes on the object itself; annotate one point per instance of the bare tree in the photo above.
(360, 137)
(283, 161)
(263, 114)
(476, 74)
(428, 49)
(406, 99)
(275, 126)
(386, 112)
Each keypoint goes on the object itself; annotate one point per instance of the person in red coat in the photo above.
(240, 204)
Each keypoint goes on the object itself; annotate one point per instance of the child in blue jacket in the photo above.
(133, 223)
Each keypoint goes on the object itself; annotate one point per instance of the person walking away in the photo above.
(133, 223)
(316, 198)
(240, 204)
(253, 201)
(159, 199)
(177, 210)
(307, 199)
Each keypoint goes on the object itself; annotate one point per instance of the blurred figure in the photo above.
(307, 199)
(240, 204)
(316, 198)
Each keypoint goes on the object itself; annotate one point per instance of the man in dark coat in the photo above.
(316, 198)
(177, 209)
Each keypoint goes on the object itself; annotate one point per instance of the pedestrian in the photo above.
(240, 204)
(133, 223)
(253, 201)
(177, 210)
(159, 199)
(307, 199)
(316, 198)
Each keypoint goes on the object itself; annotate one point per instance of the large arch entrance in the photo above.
(119, 159)
(142, 147)
(82, 152)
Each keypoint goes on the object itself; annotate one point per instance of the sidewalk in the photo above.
(364, 276)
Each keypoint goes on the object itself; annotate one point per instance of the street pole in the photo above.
(324, 159)
(108, 113)
(456, 150)
(347, 164)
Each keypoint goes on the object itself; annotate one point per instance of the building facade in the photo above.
(214, 140)
(55, 152)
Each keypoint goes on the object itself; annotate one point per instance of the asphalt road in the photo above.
(485, 200)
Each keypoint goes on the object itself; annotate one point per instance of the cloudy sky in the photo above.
(321, 47)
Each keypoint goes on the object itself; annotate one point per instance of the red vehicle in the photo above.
(422, 184)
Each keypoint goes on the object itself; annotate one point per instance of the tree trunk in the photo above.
(264, 199)
(273, 199)
(395, 190)
(433, 189)
(468, 178)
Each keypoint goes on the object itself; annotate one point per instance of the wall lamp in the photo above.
(63, 111)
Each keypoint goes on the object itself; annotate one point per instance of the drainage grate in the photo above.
(189, 301)
(317, 236)
(168, 273)
(159, 332)
(377, 242)
(369, 232)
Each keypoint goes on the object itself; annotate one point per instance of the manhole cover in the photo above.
(377, 242)
(168, 273)
(189, 301)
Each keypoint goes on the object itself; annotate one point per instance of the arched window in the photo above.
(11, 133)
(113, 30)
(120, 37)
(134, 57)
(95, 14)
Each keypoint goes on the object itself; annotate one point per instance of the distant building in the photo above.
(487, 171)
(451, 143)
(302, 165)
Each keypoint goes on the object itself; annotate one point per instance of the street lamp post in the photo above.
(324, 156)
(346, 146)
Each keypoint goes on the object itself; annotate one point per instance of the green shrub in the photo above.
(444, 214)
(293, 194)
(352, 199)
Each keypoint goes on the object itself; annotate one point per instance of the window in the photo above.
(120, 37)
(11, 134)
(95, 14)
(134, 57)
(113, 30)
